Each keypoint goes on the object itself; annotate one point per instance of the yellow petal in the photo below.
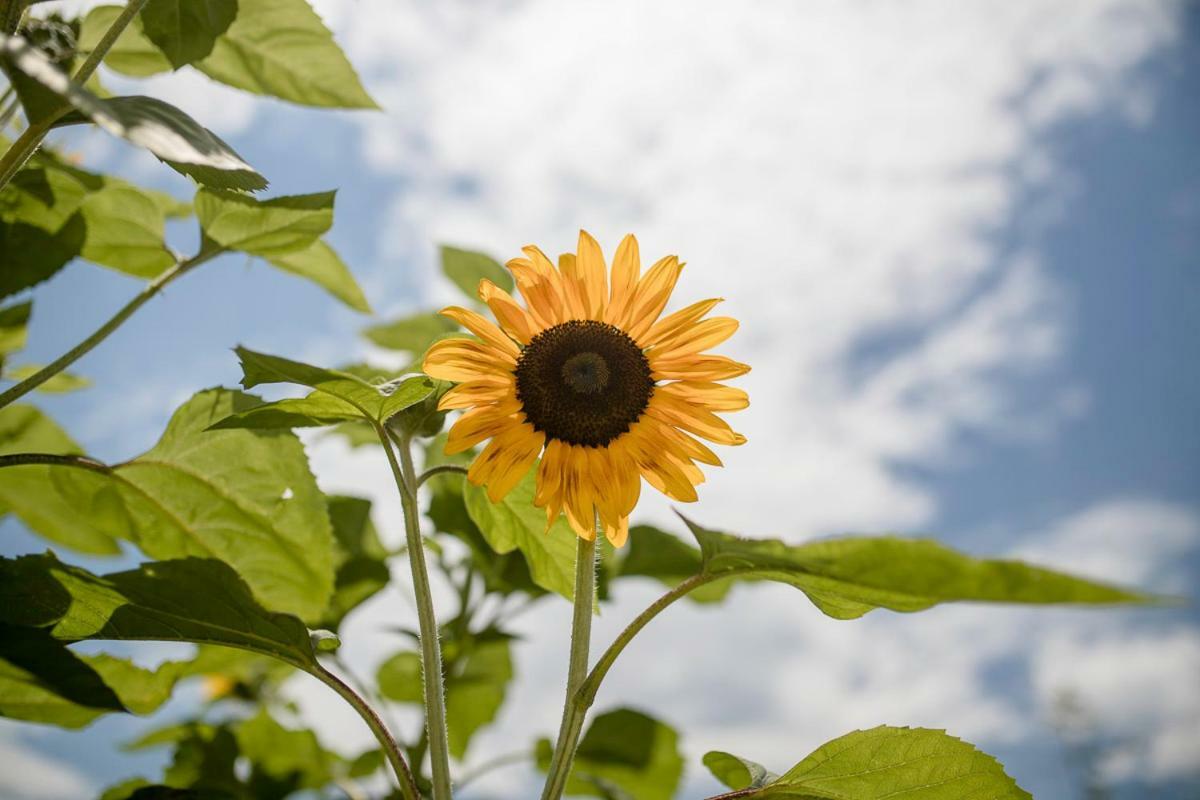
(653, 292)
(540, 292)
(474, 393)
(673, 323)
(515, 320)
(698, 368)
(617, 534)
(464, 360)
(626, 269)
(506, 459)
(698, 337)
(649, 452)
(572, 287)
(713, 396)
(483, 328)
(593, 274)
(693, 419)
(482, 422)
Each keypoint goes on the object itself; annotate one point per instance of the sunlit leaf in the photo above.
(281, 48)
(885, 762)
(654, 553)
(846, 578)
(516, 524)
(737, 772)
(626, 752)
(399, 678)
(411, 334)
(14, 321)
(186, 30)
(40, 229)
(87, 517)
(184, 600)
(321, 264)
(132, 54)
(466, 268)
(264, 227)
(125, 230)
(338, 396)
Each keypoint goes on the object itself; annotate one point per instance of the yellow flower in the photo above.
(589, 377)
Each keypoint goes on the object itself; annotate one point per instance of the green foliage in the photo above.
(13, 323)
(337, 396)
(321, 264)
(186, 30)
(475, 687)
(411, 334)
(626, 754)
(466, 268)
(272, 227)
(358, 557)
(61, 383)
(515, 524)
(184, 600)
(399, 677)
(886, 762)
(846, 578)
(281, 48)
(737, 772)
(654, 553)
(133, 53)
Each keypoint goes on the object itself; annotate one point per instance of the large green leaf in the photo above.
(411, 334)
(885, 762)
(516, 524)
(132, 53)
(281, 48)
(14, 321)
(186, 30)
(245, 497)
(846, 578)
(86, 517)
(321, 264)
(359, 558)
(164, 130)
(42, 681)
(626, 754)
(264, 227)
(399, 678)
(125, 230)
(466, 268)
(183, 600)
(337, 396)
(654, 553)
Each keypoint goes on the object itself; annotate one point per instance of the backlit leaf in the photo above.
(281, 48)
(516, 524)
(466, 268)
(60, 383)
(321, 264)
(186, 30)
(626, 751)
(264, 227)
(359, 558)
(411, 334)
(846, 578)
(654, 553)
(287, 760)
(736, 772)
(14, 320)
(399, 678)
(132, 54)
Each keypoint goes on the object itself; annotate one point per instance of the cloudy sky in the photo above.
(962, 240)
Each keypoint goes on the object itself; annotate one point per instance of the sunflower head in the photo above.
(590, 376)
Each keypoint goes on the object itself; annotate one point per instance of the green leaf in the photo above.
(281, 48)
(170, 134)
(245, 497)
(516, 524)
(86, 517)
(475, 691)
(186, 30)
(40, 231)
(132, 54)
(338, 396)
(14, 320)
(359, 557)
(737, 772)
(47, 42)
(466, 268)
(320, 264)
(631, 752)
(846, 578)
(61, 383)
(184, 600)
(654, 553)
(884, 762)
(264, 227)
(125, 230)
(399, 678)
(411, 334)
(282, 758)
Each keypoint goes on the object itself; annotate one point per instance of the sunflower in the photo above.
(589, 377)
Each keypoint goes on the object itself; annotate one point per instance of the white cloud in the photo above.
(30, 775)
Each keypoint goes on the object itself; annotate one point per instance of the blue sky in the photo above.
(963, 243)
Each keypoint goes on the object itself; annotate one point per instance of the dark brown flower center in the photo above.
(583, 382)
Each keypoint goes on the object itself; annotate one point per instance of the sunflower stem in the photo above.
(581, 634)
(432, 678)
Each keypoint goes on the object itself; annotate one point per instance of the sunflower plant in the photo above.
(518, 435)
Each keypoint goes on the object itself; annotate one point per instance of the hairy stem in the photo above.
(83, 462)
(75, 353)
(407, 786)
(431, 650)
(581, 634)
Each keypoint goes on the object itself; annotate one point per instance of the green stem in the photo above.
(431, 651)
(75, 353)
(581, 634)
(438, 470)
(83, 462)
(29, 141)
(386, 741)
